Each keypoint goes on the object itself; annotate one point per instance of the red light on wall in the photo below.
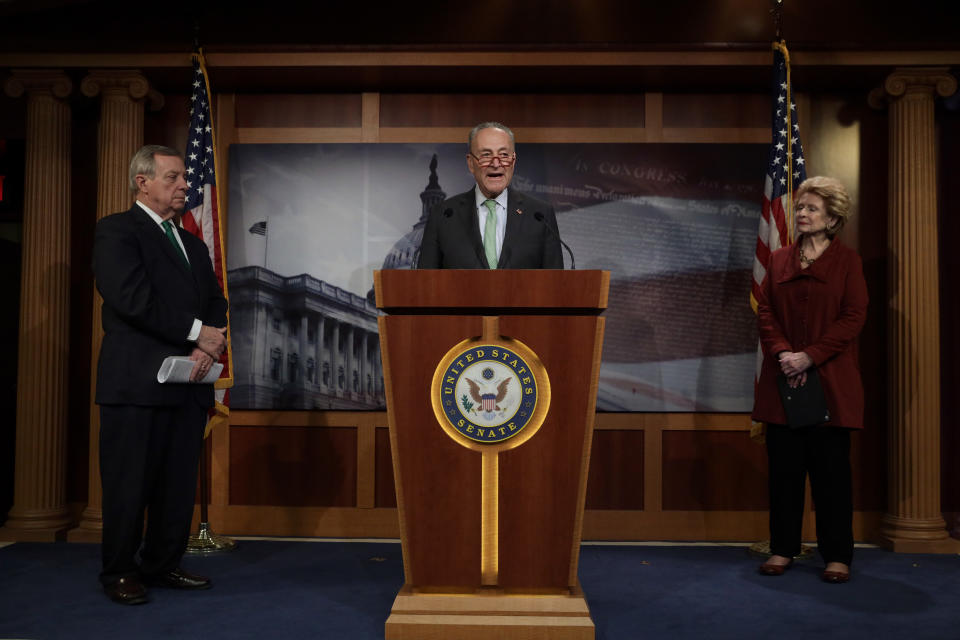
(1, 187)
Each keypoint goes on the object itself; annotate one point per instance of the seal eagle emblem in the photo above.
(488, 393)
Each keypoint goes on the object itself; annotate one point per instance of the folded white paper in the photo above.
(178, 369)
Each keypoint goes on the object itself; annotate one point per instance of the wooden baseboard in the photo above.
(10, 534)
(321, 522)
(352, 522)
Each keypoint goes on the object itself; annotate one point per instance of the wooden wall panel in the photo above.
(616, 470)
(868, 464)
(652, 476)
(168, 125)
(514, 110)
(385, 491)
(293, 466)
(713, 470)
(298, 110)
(681, 110)
(623, 504)
(204, 469)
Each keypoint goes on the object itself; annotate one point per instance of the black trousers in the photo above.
(824, 453)
(148, 462)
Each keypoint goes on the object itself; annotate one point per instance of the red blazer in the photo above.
(819, 310)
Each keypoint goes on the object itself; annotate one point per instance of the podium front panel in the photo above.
(437, 480)
(540, 480)
(475, 514)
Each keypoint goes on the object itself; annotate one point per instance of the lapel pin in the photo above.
(519, 212)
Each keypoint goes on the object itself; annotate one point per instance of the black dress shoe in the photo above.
(126, 591)
(179, 579)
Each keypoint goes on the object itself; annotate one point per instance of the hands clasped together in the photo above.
(794, 365)
(211, 343)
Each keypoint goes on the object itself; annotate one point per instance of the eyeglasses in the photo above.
(485, 160)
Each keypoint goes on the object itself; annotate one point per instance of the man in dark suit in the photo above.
(160, 298)
(491, 226)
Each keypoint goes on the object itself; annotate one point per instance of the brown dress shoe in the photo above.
(126, 591)
(835, 577)
(179, 579)
(770, 569)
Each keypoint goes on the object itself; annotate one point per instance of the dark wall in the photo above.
(12, 134)
(871, 220)
(85, 113)
(948, 117)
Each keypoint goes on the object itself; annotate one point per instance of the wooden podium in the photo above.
(491, 381)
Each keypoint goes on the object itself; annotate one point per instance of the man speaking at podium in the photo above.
(491, 226)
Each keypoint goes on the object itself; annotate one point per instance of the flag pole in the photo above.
(776, 8)
(205, 541)
(758, 429)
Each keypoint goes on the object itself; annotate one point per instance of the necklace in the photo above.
(804, 260)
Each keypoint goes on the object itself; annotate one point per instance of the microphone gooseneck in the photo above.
(538, 216)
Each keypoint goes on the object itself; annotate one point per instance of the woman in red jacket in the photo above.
(812, 307)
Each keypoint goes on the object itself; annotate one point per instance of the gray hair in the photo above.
(143, 163)
(488, 125)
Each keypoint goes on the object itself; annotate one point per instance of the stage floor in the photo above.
(272, 588)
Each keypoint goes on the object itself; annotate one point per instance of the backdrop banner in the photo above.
(674, 223)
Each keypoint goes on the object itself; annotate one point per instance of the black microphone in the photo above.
(539, 218)
(447, 213)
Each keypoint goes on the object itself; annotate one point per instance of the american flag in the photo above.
(202, 215)
(785, 171)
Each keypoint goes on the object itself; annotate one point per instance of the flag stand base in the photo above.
(762, 548)
(205, 541)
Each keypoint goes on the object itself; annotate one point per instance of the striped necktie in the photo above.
(490, 234)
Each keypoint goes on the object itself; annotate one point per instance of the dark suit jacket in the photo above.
(150, 299)
(451, 238)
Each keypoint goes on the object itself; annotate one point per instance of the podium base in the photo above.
(484, 615)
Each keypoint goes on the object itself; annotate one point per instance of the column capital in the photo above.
(53, 81)
(909, 80)
(130, 83)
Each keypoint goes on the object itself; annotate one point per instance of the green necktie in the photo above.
(168, 228)
(490, 234)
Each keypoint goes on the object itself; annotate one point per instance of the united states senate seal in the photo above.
(490, 393)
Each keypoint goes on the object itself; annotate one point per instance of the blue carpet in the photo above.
(274, 589)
